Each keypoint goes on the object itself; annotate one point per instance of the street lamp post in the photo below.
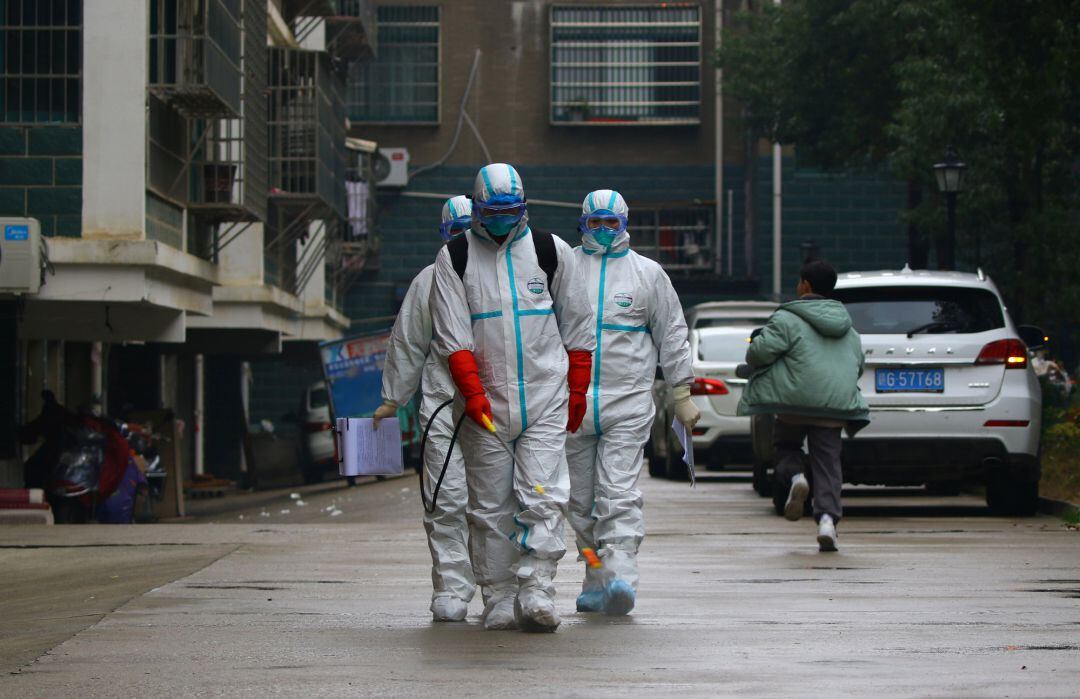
(950, 181)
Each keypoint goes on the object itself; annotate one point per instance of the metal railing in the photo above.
(679, 238)
(195, 50)
(40, 62)
(228, 174)
(636, 64)
(402, 84)
(306, 119)
(350, 30)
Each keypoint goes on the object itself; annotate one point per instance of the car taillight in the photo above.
(1012, 353)
(1006, 423)
(708, 387)
(312, 427)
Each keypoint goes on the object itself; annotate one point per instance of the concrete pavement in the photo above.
(928, 596)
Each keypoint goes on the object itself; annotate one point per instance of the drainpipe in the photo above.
(97, 373)
(777, 202)
(719, 128)
(200, 400)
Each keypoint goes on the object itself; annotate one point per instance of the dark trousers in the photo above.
(824, 448)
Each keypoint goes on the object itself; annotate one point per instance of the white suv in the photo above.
(952, 395)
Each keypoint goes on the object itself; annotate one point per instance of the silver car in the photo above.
(717, 344)
(953, 398)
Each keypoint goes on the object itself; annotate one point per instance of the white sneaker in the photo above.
(447, 608)
(800, 490)
(826, 534)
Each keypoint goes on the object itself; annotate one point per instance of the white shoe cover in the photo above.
(447, 608)
(499, 614)
(535, 611)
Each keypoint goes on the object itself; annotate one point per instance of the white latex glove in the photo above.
(685, 411)
(387, 409)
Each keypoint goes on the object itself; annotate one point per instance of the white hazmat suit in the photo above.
(520, 331)
(638, 319)
(411, 363)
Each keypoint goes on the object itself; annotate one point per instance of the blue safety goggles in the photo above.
(454, 227)
(500, 205)
(602, 220)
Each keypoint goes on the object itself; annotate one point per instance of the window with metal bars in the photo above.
(402, 85)
(678, 237)
(626, 64)
(40, 61)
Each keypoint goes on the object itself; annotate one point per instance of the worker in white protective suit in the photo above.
(638, 319)
(511, 318)
(411, 363)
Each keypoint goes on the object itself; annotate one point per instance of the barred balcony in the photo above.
(349, 31)
(229, 158)
(195, 54)
(306, 118)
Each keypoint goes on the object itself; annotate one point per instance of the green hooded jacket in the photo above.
(807, 361)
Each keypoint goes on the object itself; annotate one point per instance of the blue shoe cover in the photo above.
(618, 598)
(591, 601)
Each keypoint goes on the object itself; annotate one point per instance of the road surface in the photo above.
(927, 596)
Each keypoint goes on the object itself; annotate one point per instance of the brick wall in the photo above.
(41, 176)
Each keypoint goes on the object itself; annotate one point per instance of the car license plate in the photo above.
(910, 380)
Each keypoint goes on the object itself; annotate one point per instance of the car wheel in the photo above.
(761, 481)
(1007, 496)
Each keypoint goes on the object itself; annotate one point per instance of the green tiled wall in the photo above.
(41, 176)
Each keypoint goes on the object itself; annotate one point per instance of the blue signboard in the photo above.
(353, 368)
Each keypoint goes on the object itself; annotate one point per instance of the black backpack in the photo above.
(543, 242)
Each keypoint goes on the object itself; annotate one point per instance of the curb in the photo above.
(244, 500)
(1057, 508)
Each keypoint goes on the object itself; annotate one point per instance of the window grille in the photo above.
(40, 61)
(194, 61)
(228, 172)
(402, 84)
(307, 130)
(637, 64)
(679, 238)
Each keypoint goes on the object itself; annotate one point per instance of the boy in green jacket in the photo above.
(806, 364)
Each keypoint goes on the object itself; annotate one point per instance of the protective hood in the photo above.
(605, 200)
(456, 217)
(456, 207)
(829, 318)
(498, 183)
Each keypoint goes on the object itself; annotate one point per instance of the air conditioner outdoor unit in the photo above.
(20, 256)
(391, 167)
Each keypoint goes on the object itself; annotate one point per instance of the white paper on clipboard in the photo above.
(686, 439)
(365, 451)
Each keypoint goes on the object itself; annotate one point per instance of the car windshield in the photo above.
(921, 310)
(723, 347)
(319, 399)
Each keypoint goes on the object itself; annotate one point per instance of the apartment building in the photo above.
(186, 164)
(587, 95)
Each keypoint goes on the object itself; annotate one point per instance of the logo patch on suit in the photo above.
(536, 285)
(623, 299)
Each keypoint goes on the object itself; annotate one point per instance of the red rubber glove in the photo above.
(577, 378)
(466, 377)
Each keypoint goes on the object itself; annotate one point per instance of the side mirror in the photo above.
(1033, 336)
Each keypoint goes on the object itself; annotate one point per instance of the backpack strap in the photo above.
(546, 256)
(459, 254)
